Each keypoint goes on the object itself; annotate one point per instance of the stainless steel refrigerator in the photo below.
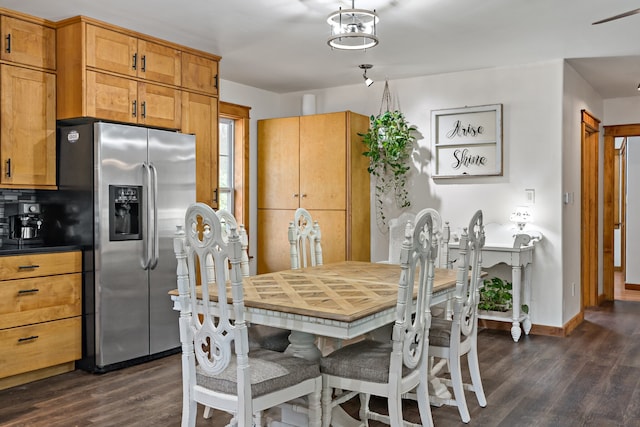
(122, 191)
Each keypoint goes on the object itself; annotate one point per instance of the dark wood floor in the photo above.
(591, 378)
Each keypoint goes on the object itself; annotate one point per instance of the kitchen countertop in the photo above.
(16, 249)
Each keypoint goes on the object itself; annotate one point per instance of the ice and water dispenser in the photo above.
(125, 212)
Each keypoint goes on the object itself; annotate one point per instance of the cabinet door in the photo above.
(28, 43)
(323, 161)
(278, 163)
(159, 63)
(112, 98)
(159, 106)
(199, 73)
(112, 51)
(273, 240)
(334, 235)
(28, 128)
(200, 117)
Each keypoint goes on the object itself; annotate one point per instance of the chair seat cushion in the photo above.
(440, 332)
(268, 337)
(366, 360)
(270, 371)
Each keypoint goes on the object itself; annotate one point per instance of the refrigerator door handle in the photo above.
(146, 241)
(156, 236)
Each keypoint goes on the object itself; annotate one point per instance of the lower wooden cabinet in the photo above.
(40, 316)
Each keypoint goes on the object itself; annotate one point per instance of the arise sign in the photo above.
(467, 141)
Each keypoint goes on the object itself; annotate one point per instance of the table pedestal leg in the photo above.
(303, 345)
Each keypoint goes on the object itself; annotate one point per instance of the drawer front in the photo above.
(34, 265)
(28, 301)
(38, 346)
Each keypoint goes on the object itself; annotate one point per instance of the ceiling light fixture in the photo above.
(352, 29)
(366, 67)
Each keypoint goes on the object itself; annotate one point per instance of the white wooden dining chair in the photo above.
(390, 369)
(304, 240)
(452, 339)
(218, 370)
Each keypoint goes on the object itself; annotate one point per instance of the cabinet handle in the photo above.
(8, 174)
(215, 196)
(28, 267)
(295, 195)
(28, 291)
(31, 338)
(304, 195)
(215, 81)
(144, 109)
(144, 63)
(8, 45)
(134, 111)
(134, 61)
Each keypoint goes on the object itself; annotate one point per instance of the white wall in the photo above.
(578, 95)
(533, 139)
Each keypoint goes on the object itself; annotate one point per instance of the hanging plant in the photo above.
(389, 142)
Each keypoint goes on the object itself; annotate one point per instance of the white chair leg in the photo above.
(208, 412)
(395, 410)
(326, 405)
(315, 409)
(423, 404)
(189, 413)
(476, 380)
(458, 390)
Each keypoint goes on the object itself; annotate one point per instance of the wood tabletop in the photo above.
(344, 291)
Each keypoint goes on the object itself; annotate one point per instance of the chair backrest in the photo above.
(210, 336)
(468, 279)
(397, 228)
(442, 235)
(410, 336)
(228, 221)
(304, 240)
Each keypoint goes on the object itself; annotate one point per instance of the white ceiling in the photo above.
(280, 45)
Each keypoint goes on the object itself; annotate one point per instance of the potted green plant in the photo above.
(389, 143)
(495, 295)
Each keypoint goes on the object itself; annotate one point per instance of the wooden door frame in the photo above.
(589, 209)
(610, 133)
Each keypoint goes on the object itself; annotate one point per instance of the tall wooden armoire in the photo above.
(314, 162)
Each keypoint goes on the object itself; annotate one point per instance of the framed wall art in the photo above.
(467, 141)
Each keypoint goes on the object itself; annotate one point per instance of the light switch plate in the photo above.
(530, 195)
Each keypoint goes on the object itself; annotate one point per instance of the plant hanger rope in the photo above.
(389, 143)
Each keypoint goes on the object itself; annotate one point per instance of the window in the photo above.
(225, 165)
(233, 161)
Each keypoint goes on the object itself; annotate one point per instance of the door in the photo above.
(111, 97)
(122, 290)
(323, 161)
(172, 159)
(278, 163)
(28, 43)
(28, 129)
(159, 63)
(111, 51)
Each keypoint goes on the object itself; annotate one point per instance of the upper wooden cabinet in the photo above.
(120, 99)
(120, 53)
(111, 73)
(199, 73)
(28, 102)
(28, 43)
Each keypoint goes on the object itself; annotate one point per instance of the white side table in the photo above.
(519, 256)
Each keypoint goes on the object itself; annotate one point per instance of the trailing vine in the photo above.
(389, 143)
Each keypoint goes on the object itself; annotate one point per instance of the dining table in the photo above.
(344, 300)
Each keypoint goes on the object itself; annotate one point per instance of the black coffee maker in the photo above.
(25, 222)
